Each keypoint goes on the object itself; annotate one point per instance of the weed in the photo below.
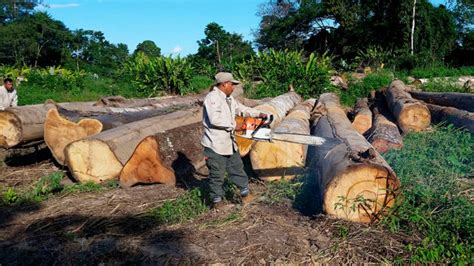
(443, 86)
(10, 196)
(429, 167)
(182, 209)
(362, 88)
(342, 231)
(83, 187)
(283, 190)
(232, 217)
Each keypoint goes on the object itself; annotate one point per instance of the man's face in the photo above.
(229, 88)
(8, 85)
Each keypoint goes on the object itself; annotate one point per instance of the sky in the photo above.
(174, 25)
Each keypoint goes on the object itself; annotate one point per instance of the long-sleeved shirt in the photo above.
(7, 98)
(219, 121)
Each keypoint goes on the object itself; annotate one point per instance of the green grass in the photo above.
(48, 186)
(182, 209)
(361, 88)
(431, 167)
(283, 190)
(442, 71)
(443, 86)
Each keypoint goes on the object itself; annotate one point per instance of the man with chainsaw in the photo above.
(220, 148)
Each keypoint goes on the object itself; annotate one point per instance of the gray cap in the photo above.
(222, 77)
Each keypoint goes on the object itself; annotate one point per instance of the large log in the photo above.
(464, 101)
(355, 182)
(411, 114)
(278, 107)
(25, 123)
(62, 127)
(459, 118)
(384, 134)
(101, 157)
(278, 159)
(165, 157)
(362, 116)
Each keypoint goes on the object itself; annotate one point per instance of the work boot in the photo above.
(247, 199)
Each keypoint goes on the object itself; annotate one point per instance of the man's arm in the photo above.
(247, 111)
(215, 114)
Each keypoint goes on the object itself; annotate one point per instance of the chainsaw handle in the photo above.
(267, 121)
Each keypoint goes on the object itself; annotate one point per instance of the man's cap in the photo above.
(222, 77)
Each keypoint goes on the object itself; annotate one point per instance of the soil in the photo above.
(112, 227)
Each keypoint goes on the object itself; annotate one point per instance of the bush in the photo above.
(158, 75)
(361, 88)
(279, 69)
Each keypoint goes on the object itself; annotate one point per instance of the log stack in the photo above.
(355, 182)
(276, 160)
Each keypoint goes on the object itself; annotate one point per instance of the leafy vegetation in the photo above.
(48, 186)
(277, 70)
(431, 167)
(184, 208)
(362, 88)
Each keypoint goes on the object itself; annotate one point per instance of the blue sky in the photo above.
(174, 25)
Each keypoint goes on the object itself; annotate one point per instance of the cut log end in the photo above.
(92, 160)
(60, 132)
(146, 166)
(383, 146)
(362, 193)
(415, 117)
(362, 123)
(10, 126)
(277, 160)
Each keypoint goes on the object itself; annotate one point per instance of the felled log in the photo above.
(278, 107)
(463, 101)
(278, 159)
(101, 157)
(355, 182)
(459, 118)
(411, 114)
(165, 157)
(62, 127)
(362, 116)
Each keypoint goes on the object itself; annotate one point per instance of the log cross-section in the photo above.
(355, 182)
(362, 116)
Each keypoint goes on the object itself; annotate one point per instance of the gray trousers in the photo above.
(218, 165)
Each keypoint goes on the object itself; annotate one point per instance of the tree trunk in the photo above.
(362, 116)
(278, 159)
(464, 101)
(165, 157)
(278, 107)
(459, 118)
(101, 157)
(411, 114)
(355, 182)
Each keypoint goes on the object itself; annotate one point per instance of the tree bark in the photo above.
(459, 118)
(362, 116)
(165, 157)
(278, 159)
(355, 182)
(278, 107)
(101, 157)
(464, 101)
(411, 114)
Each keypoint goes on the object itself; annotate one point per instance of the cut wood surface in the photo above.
(362, 116)
(64, 127)
(349, 172)
(162, 158)
(411, 114)
(278, 107)
(101, 157)
(459, 118)
(278, 159)
(463, 101)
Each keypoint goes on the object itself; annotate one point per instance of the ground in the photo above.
(113, 226)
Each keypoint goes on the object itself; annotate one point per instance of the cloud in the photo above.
(177, 49)
(63, 5)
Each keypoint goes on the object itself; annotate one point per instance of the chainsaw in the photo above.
(259, 129)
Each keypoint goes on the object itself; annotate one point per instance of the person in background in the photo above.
(220, 149)
(8, 97)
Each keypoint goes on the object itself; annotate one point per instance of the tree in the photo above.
(13, 9)
(149, 48)
(220, 47)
